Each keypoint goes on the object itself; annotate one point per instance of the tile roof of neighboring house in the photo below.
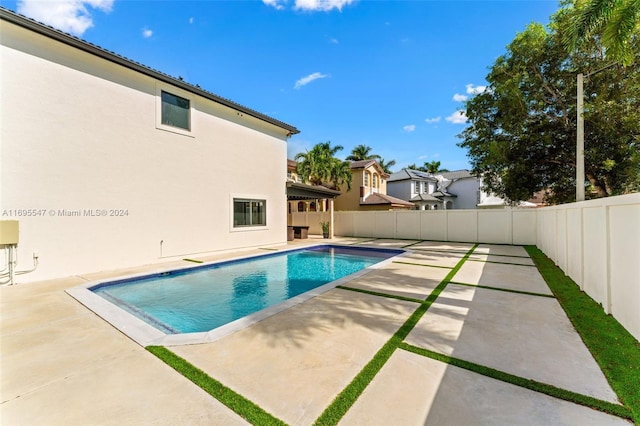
(377, 198)
(406, 174)
(457, 174)
(78, 43)
(291, 164)
(426, 197)
(363, 164)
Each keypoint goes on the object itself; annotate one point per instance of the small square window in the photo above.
(176, 111)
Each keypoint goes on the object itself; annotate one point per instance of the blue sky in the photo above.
(392, 75)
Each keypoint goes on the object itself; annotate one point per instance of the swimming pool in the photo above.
(209, 300)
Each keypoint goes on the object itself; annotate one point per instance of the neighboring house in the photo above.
(368, 190)
(447, 190)
(107, 163)
(465, 185)
(418, 187)
(292, 175)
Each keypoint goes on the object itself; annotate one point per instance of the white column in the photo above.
(331, 218)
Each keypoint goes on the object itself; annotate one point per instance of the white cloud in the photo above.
(308, 79)
(433, 120)
(321, 5)
(423, 157)
(460, 98)
(310, 5)
(474, 90)
(334, 40)
(409, 128)
(71, 16)
(146, 32)
(277, 4)
(458, 117)
(191, 20)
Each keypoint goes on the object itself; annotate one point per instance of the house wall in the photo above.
(466, 191)
(399, 189)
(79, 136)
(350, 200)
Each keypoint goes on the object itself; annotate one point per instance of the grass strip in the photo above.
(440, 251)
(530, 293)
(362, 242)
(587, 401)
(193, 260)
(345, 399)
(615, 350)
(378, 293)
(413, 243)
(517, 256)
(502, 263)
(236, 402)
(422, 264)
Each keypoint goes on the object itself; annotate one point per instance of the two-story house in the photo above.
(419, 188)
(368, 190)
(107, 163)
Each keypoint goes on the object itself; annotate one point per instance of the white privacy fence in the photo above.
(596, 242)
(488, 226)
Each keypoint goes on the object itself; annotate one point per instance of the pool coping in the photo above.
(145, 335)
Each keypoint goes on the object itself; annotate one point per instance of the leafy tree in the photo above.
(386, 166)
(319, 166)
(617, 21)
(522, 129)
(362, 152)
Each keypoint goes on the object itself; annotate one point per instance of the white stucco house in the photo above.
(107, 163)
(424, 190)
(458, 189)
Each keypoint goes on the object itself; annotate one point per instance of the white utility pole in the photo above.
(580, 141)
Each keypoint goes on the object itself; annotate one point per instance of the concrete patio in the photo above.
(61, 364)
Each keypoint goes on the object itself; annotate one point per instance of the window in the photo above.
(366, 178)
(375, 180)
(249, 212)
(176, 111)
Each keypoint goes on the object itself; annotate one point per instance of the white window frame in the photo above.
(160, 87)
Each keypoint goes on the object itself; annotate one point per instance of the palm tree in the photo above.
(386, 166)
(616, 20)
(320, 167)
(432, 167)
(362, 152)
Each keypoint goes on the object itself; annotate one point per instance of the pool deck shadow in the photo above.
(61, 364)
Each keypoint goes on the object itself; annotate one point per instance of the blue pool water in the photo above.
(203, 298)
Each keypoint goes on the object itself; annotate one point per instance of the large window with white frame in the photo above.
(249, 212)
